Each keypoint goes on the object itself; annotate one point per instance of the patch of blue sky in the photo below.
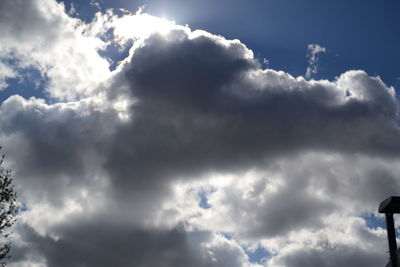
(29, 82)
(84, 10)
(260, 255)
(203, 201)
(115, 53)
(374, 221)
(203, 197)
(227, 235)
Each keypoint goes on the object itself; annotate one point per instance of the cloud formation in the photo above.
(114, 160)
(313, 51)
(41, 35)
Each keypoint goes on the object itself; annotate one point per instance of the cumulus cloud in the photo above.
(310, 204)
(115, 161)
(43, 36)
(313, 51)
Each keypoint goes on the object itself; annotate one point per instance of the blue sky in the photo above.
(244, 134)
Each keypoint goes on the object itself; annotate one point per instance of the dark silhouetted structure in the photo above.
(391, 206)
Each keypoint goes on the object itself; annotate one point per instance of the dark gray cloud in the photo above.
(203, 104)
(54, 144)
(91, 243)
(99, 244)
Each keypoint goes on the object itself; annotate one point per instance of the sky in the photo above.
(200, 133)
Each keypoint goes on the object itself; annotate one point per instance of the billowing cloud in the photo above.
(110, 166)
(40, 34)
(131, 247)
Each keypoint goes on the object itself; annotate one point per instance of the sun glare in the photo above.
(141, 26)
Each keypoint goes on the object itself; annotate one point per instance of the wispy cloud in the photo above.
(313, 51)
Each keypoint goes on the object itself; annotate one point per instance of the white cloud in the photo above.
(313, 51)
(54, 43)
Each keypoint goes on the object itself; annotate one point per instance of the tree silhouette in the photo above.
(8, 210)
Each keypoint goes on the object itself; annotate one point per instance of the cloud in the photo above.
(312, 55)
(116, 164)
(349, 246)
(43, 36)
(211, 107)
(124, 246)
(297, 193)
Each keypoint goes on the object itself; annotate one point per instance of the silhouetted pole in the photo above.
(391, 206)
(391, 233)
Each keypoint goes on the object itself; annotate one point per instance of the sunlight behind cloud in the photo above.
(141, 25)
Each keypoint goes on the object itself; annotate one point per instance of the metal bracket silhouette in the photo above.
(391, 206)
